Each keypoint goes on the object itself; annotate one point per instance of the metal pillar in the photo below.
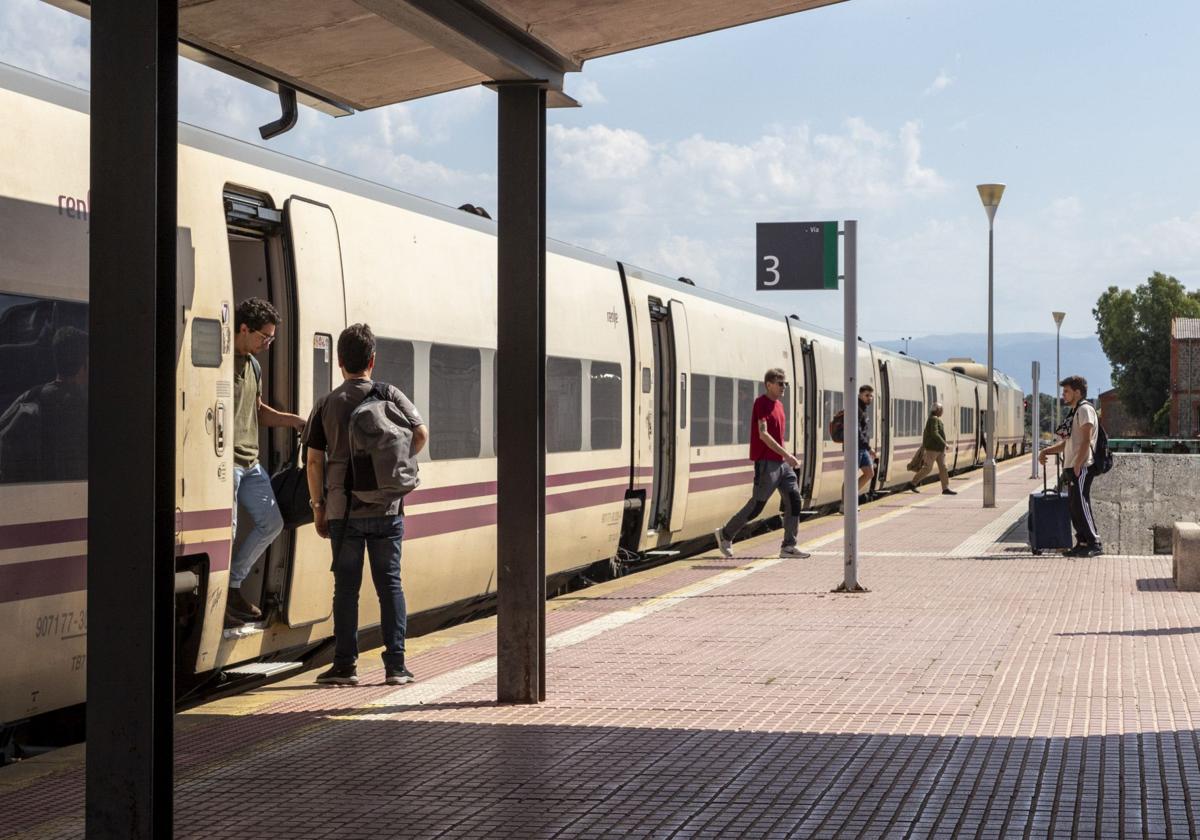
(989, 429)
(850, 411)
(1036, 418)
(521, 414)
(131, 477)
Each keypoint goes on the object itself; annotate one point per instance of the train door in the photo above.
(671, 455)
(319, 317)
(885, 424)
(812, 425)
(663, 378)
(978, 415)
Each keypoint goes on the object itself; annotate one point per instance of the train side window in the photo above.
(646, 380)
(745, 402)
(564, 404)
(454, 402)
(206, 342)
(606, 405)
(43, 390)
(701, 386)
(723, 411)
(322, 365)
(394, 364)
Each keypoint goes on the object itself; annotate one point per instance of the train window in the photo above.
(701, 386)
(930, 396)
(723, 410)
(454, 402)
(43, 389)
(564, 404)
(606, 405)
(206, 342)
(322, 365)
(646, 380)
(394, 364)
(745, 403)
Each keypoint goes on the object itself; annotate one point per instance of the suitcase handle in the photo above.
(1058, 472)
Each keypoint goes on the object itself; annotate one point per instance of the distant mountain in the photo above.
(1014, 353)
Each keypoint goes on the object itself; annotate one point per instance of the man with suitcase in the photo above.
(1078, 448)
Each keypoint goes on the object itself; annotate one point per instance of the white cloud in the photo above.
(588, 93)
(939, 84)
(45, 40)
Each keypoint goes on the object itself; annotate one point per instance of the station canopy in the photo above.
(346, 55)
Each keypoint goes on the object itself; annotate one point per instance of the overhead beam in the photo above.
(477, 36)
(131, 465)
(209, 57)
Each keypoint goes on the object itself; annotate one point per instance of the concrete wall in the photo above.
(1140, 493)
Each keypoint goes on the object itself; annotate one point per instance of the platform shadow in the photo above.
(521, 775)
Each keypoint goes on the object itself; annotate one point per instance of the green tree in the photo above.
(1135, 332)
(1045, 415)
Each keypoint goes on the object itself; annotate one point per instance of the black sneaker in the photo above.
(949, 492)
(912, 488)
(238, 608)
(339, 675)
(1091, 551)
(398, 676)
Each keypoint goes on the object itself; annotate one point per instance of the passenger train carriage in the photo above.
(650, 382)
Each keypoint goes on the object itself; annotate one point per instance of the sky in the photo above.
(884, 111)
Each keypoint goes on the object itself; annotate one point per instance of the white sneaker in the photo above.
(725, 546)
(793, 551)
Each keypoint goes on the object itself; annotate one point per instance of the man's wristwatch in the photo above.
(316, 504)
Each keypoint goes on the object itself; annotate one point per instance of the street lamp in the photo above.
(1058, 319)
(990, 195)
(906, 339)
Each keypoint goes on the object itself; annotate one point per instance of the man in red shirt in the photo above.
(774, 469)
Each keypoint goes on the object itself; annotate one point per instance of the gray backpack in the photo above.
(382, 466)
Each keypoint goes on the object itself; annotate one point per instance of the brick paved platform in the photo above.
(976, 691)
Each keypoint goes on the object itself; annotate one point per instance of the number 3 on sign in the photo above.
(772, 269)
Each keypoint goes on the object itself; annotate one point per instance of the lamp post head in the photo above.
(990, 195)
(1058, 318)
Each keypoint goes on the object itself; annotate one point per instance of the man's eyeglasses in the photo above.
(780, 384)
(267, 339)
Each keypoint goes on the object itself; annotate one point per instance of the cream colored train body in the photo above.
(649, 382)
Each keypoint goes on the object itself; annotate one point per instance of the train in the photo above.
(650, 381)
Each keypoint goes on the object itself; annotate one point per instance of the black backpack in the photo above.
(1102, 457)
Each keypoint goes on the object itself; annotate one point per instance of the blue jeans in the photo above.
(252, 490)
(381, 536)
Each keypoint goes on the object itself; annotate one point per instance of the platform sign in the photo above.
(797, 256)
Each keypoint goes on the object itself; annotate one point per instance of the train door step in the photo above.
(244, 630)
(660, 553)
(263, 669)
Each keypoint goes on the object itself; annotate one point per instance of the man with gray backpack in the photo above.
(363, 439)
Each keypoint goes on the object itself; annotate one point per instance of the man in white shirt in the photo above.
(1079, 449)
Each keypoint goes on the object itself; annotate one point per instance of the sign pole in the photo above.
(797, 256)
(850, 409)
(1037, 419)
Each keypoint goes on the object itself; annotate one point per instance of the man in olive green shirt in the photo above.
(256, 324)
(933, 445)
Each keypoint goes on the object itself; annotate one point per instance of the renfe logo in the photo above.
(74, 208)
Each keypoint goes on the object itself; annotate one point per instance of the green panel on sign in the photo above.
(830, 263)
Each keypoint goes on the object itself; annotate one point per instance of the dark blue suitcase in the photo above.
(1049, 518)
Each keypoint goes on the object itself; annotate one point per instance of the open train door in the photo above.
(811, 427)
(683, 452)
(319, 313)
(885, 424)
